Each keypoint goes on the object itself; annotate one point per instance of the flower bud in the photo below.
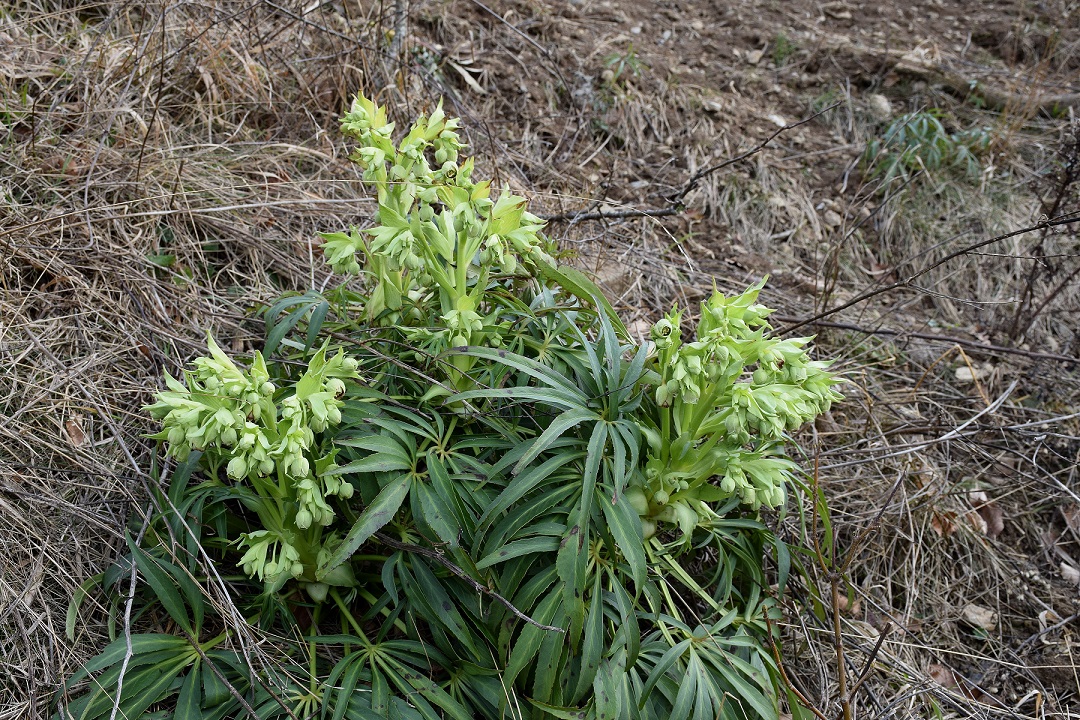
(303, 518)
(237, 468)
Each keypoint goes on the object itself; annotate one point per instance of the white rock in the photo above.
(880, 107)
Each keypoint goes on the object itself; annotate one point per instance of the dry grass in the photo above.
(166, 168)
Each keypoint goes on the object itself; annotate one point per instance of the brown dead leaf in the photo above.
(977, 522)
(943, 523)
(942, 675)
(849, 608)
(74, 430)
(993, 519)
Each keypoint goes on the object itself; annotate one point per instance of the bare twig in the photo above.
(950, 339)
(130, 601)
(1066, 220)
(676, 205)
(479, 587)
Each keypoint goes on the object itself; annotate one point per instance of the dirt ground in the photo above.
(167, 167)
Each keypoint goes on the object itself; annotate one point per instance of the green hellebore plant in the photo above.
(509, 516)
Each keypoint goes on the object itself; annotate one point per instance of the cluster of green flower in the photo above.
(233, 418)
(439, 238)
(726, 399)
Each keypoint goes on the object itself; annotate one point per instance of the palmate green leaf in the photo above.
(563, 713)
(374, 443)
(443, 611)
(547, 668)
(592, 646)
(666, 662)
(542, 395)
(525, 483)
(340, 685)
(545, 375)
(580, 286)
(734, 671)
(144, 684)
(527, 644)
(76, 602)
(189, 701)
(562, 423)
(628, 630)
(450, 491)
(375, 516)
(571, 564)
(277, 329)
(512, 524)
(684, 701)
(421, 691)
(608, 688)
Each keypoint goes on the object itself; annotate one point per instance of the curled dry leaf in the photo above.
(978, 616)
(990, 514)
(73, 427)
(942, 675)
(943, 523)
(1071, 574)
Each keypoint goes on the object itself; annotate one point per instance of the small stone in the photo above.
(965, 374)
(777, 120)
(880, 107)
(754, 56)
(832, 218)
(636, 30)
(697, 25)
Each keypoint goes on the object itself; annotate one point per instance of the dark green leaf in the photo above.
(165, 589)
(374, 517)
(518, 548)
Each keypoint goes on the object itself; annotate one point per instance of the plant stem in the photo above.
(345, 613)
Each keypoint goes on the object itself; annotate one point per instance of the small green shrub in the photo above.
(782, 49)
(485, 501)
(919, 142)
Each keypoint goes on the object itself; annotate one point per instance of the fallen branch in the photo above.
(924, 65)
